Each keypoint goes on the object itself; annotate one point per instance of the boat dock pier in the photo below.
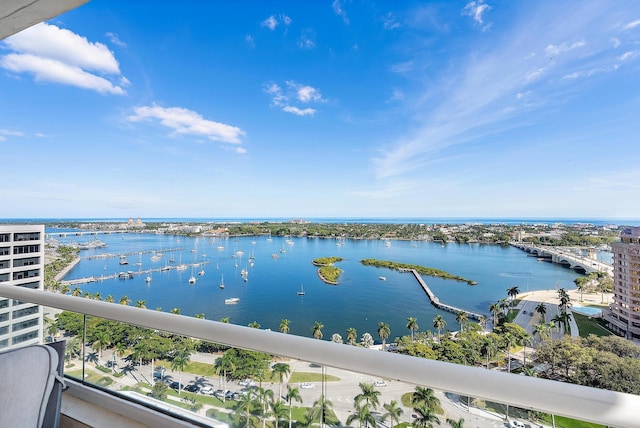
(436, 302)
(132, 253)
(124, 274)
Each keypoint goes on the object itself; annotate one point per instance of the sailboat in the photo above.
(139, 262)
(192, 279)
(301, 292)
(222, 281)
(148, 278)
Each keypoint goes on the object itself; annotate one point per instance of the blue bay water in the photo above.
(361, 300)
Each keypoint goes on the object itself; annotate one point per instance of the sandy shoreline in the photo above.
(551, 296)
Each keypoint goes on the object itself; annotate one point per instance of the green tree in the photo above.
(425, 417)
(317, 330)
(439, 323)
(141, 304)
(368, 394)
(124, 300)
(462, 318)
(254, 324)
(455, 424)
(495, 309)
(224, 365)
(362, 414)
(384, 332)
(412, 325)
(352, 336)
(178, 363)
(425, 397)
(279, 411)
(293, 394)
(284, 326)
(322, 411)
(281, 370)
(159, 391)
(102, 341)
(393, 411)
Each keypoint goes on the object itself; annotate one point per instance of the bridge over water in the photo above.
(565, 257)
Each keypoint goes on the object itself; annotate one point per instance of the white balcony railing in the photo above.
(583, 403)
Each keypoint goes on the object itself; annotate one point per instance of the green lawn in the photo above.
(562, 422)
(297, 377)
(588, 326)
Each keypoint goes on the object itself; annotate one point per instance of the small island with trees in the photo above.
(422, 270)
(327, 272)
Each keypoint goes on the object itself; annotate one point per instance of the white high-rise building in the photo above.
(21, 265)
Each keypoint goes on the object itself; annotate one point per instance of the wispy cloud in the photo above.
(293, 92)
(506, 87)
(273, 21)
(338, 9)
(476, 9)
(53, 54)
(249, 40)
(390, 22)
(632, 24)
(307, 39)
(113, 38)
(187, 122)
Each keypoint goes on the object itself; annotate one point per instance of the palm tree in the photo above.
(384, 332)
(321, 410)
(362, 414)
(509, 342)
(495, 309)
(462, 318)
(254, 324)
(317, 330)
(284, 326)
(352, 336)
(223, 365)
(425, 396)
(141, 304)
(393, 412)
(504, 305)
(488, 348)
(564, 299)
(109, 299)
(293, 394)
(279, 410)
(368, 394)
(124, 300)
(199, 316)
(175, 311)
(102, 341)
(336, 338)
(439, 323)
(541, 309)
(178, 363)
(425, 417)
(513, 293)
(455, 424)
(72, 348)
(76, 292)
(246, 402)
(281, 370)
(265, 395)
(224, 320)
(543, 331)
(412, 325)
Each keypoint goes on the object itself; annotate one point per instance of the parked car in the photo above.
(306, 385)
(246, 382)
(207, 390)
(517, 424)
(176, 386)
(192, 388)
(219, 393)
(228, 395)
(380, 383)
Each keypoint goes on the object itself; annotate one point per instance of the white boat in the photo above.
(382, 278)
(201, 272)
(148, 278)
(301, 292)
(222, 282)
(192, 280)
(231, 300)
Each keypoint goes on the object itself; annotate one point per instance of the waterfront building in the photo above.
(21, 265)
(623, 315)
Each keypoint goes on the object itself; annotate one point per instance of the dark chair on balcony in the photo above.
(29, 376)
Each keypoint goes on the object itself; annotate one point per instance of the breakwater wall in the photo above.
(436, 302)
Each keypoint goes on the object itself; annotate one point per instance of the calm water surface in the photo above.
(361, 300)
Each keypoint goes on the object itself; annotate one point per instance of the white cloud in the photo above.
(389, 22)
(632, 24)
(476, 9)
(402, 67)
(299, 112)
(186, 122)
(249, 39)
(338, 8)
(113, 38)
(396, 95)
(533, 75)
(628, 55)
(294, 92)
(11, 133)
(615, 42)
(271, 23)
(58, 55)
(307, 39)
(555, 50)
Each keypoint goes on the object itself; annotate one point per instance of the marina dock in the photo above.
(436, 302)
(125, 274)
(132, 253)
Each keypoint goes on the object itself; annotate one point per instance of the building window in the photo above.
(32, 236)
(4, 237)
(26, 249)
(34, 285)
(4, 251)
(25, 312)
(4, 303)
(4, 264)
(24, 337)
(4, 277)
(33, 273)
(29, 261)
(24, 324)
(4, 330)
(4, 343)
(4, 317)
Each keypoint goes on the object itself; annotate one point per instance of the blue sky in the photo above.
(324, 109)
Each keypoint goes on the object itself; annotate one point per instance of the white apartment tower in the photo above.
(624, 314)
(21, 265)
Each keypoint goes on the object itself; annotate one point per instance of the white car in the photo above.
(306, 385)
(207, 390)
(517, 424)
(380, 383)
